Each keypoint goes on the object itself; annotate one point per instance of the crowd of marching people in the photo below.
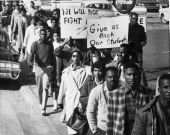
(108, 89)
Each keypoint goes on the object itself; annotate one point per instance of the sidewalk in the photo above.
(45, 125)
(53, 126)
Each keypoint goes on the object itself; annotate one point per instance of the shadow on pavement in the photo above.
(6, 84)
(26, 77)
(53, 112)
(27, 80)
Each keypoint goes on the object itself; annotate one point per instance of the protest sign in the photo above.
(107, 32)
(74, 21)
(142, 21)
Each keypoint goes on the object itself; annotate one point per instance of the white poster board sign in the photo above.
(107, 32)
(74, 21)
(142, 21)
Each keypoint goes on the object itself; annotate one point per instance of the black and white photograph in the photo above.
(84, 67)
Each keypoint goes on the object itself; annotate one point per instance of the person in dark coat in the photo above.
(154, 118)
(137, 37)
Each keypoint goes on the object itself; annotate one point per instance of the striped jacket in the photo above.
(116, 108)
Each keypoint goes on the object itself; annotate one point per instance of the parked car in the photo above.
(151, 5)
(9, 65)
(164, 13)
(105, 7)
(59, 4)
(140, 10)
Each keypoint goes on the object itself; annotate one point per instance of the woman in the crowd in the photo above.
(61, 62)
(93, 55)
(14, 16)
(20, 27)
(56, 13)
(92, 81)
(55, 24)
(73, 78)
(29, 35)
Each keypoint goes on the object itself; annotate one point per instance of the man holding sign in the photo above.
(137, 37)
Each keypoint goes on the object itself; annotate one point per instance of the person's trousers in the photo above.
(42, 82)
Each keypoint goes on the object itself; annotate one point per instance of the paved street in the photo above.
(20, 114)
(19, 108)
(157, 50)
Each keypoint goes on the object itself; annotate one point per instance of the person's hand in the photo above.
(96, 132)
(60, 106)
(58, 84)
(93, 49)
(143, 43)
(80, 111)
(12, 36)
(23, 50)
(51, 93)
(66, 41)
(49, 70)
(30, 66)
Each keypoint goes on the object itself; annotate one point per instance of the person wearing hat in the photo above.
(72, 79)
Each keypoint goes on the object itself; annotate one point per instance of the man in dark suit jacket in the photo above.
(154, 118)
(137, 37)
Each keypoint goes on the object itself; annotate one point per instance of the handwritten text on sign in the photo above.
(107, 32)
(142, 21)
(74, 21)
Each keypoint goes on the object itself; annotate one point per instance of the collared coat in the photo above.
(20, 26)
(145, 122)
(69, 90)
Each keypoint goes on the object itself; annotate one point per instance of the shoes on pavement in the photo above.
(43, 112)
(41, 108)
(63, 117)
(60, 106)
(55, 109)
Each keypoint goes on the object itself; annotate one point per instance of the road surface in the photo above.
(157, 51)
(20, 113)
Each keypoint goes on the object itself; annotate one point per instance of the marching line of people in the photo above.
(110, 90)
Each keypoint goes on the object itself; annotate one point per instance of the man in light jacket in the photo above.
(97, 103)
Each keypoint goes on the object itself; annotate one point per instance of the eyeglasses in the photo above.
(75, 56)
(94, 56)
(134, 18)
